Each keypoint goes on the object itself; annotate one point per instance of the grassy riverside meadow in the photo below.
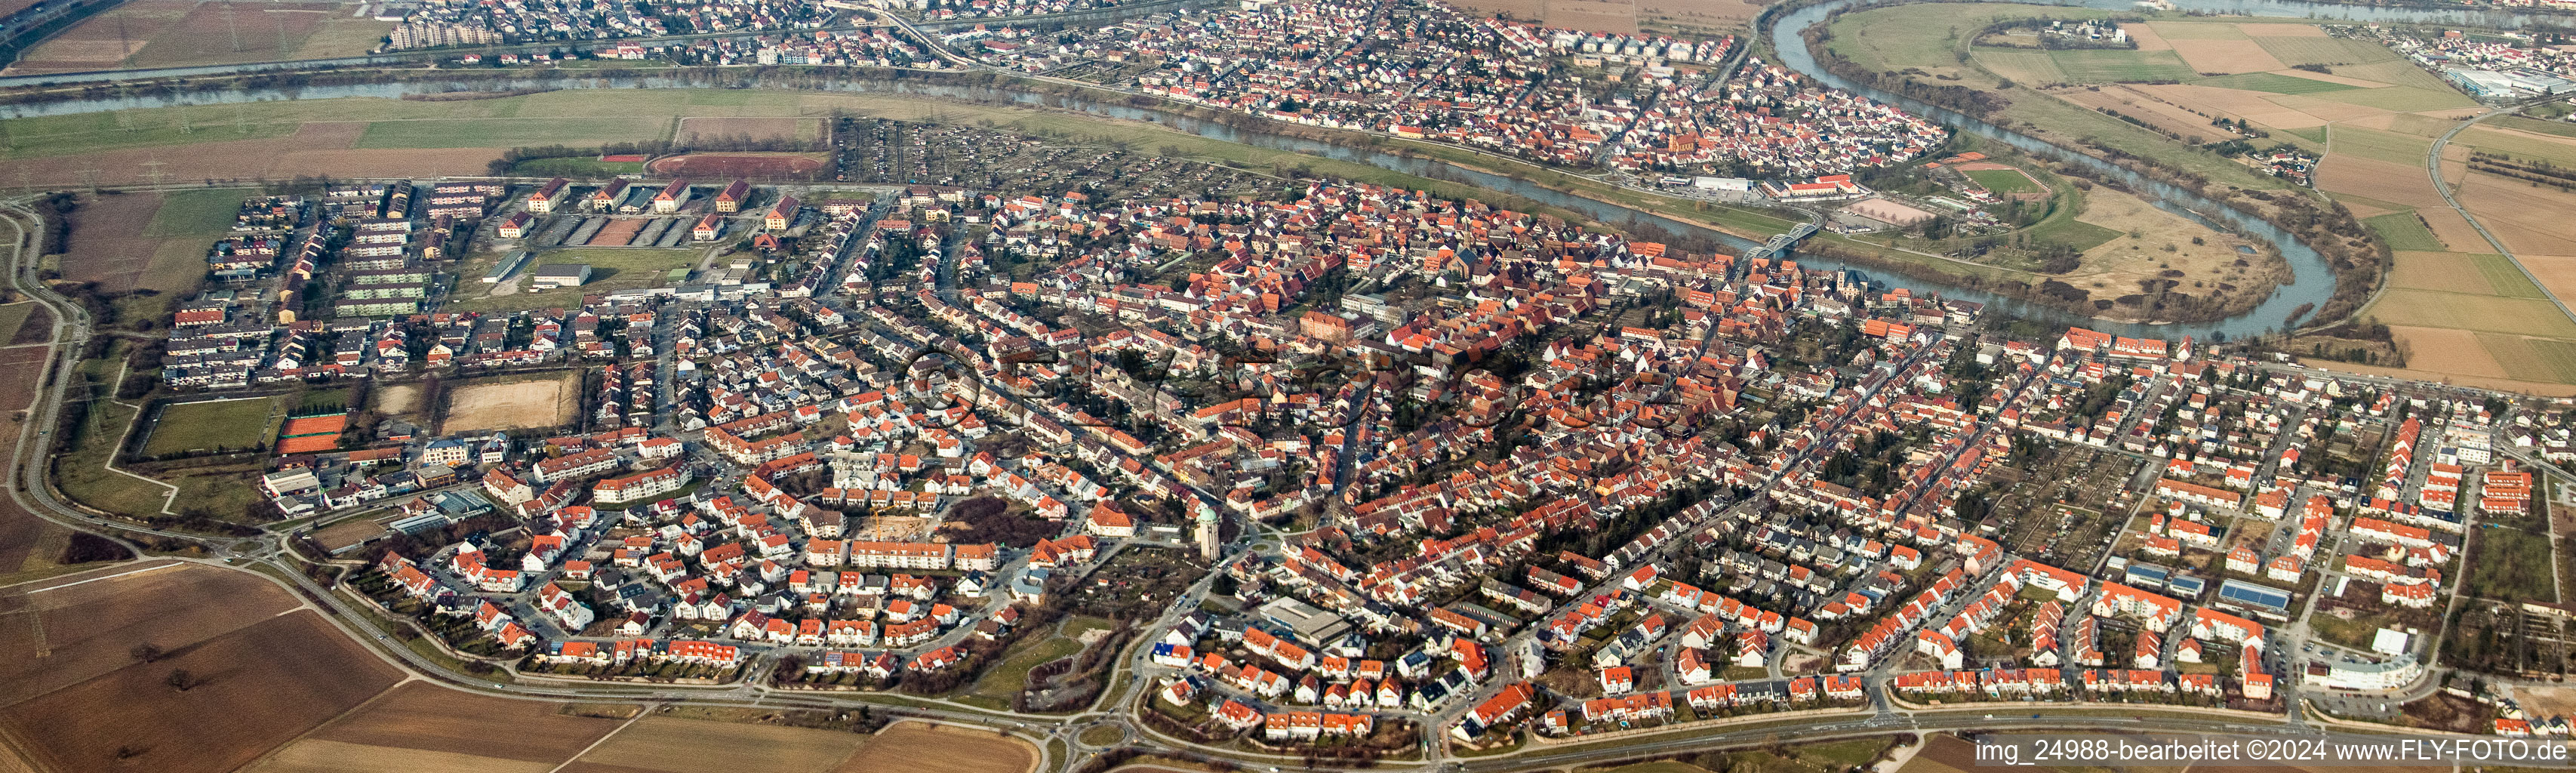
(579, 117)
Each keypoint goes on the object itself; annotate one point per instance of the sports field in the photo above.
(514, 402)
(208, 425)
(2004, 182)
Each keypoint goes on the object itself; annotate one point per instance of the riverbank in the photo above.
(2355, 261)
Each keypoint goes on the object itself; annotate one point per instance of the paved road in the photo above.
(2433, 167)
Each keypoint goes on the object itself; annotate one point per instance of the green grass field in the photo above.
(2400, 98)
(2559, 357)
(2397, 72)
(2332, 52)
(2094, 66)
(195, 213)
(2185, 30)
(1926, 35)
(2316, 134)
(2404, 231)
(2074, 233)
(2379, 145)
(2534, 125)
(2272, 83)
(2459, 311)
(1009, 677)
(2518, 146)
(2004, 182)
(2510, 565)
(2021, 65)
(234, 424)
(513, 132)
(2508, 279)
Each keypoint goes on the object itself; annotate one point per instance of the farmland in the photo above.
(658, 743)
(914, 747)
(517, 402)
(211, 424)
(173, 33)
(2120, 66)
(146, 241)
(250, 690)
(423, 727)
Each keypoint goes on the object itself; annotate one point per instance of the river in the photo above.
(2312, 282)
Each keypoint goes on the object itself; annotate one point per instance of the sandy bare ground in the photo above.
(2147, 37)
(2117, 267)
(2226, 56)
(515, 405)
(398, 399)
(2443, 350)
(320, 148)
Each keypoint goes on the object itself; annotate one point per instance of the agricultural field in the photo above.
(2120, 66)
(146, 241)
(424, 727)
(513, 402)
(246, 691)
(177, 33)
(211, 424)
(675, 745)
(64, 637)
(916, 747)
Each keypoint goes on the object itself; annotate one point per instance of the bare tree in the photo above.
(146, 652)
(181, 680)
